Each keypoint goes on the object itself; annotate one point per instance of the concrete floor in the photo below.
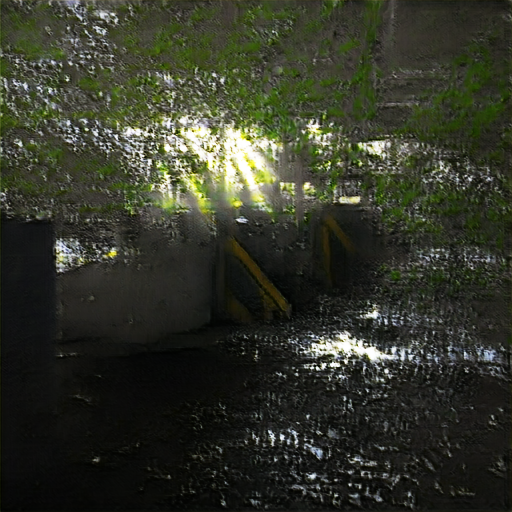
(270, 418)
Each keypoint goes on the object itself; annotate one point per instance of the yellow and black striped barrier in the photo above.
(236, 310)
(329, 225)
(269, 302)
(271, 298)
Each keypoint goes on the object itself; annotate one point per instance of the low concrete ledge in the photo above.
(98, 347)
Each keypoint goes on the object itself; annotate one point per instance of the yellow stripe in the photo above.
(236, 310)
(343, 238)
(259, 276)
(268, 305)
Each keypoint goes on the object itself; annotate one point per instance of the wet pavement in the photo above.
(367, 400)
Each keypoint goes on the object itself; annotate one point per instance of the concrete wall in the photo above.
(173, 285)
(166, 289)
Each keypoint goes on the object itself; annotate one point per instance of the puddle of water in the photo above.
(344, 343)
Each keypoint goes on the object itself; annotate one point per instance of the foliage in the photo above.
(442, 197)
(475, 103)
(97, 99)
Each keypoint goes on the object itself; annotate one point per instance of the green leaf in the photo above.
(89, 84)
(347, 46)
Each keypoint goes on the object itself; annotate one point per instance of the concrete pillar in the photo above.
(28, 357)
(388, 28)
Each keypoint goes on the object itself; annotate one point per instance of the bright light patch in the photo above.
(309, 189)
(195, 139)
(234, 160)
(130, 132)
(68, 254)
(230, 174)
(107, 16)
(344, 343)
(350, 199)
(246, 171)
(374, 313)
(256, 159)
(314, 128)
(200, 132)
(376, 147)
(288, 186)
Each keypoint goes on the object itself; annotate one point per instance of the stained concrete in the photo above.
(166, 289)
(170, 284)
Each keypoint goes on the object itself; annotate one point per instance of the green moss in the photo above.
(203, 13)
(328, 6)
(395, 275)
(409, 197)
(89, 84)
(473, 222)
(89, 209)
(345, 47)
(313, 26)
(251, 47)
(5, 68)
(8, 122)
(30, 48)
(107, 170)
(55, 155)
(28, 188)
(132, 42)
(58, 53)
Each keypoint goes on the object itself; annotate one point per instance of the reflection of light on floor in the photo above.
(377, 147)
(317, 452)
(292, 439)
(322, 366)
(360, 461)
(475, 352)
(374, 313)
(345, 343)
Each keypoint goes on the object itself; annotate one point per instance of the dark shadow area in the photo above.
(29, 446)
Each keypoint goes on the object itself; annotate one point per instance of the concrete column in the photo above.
(388, 29)
(28, 357)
